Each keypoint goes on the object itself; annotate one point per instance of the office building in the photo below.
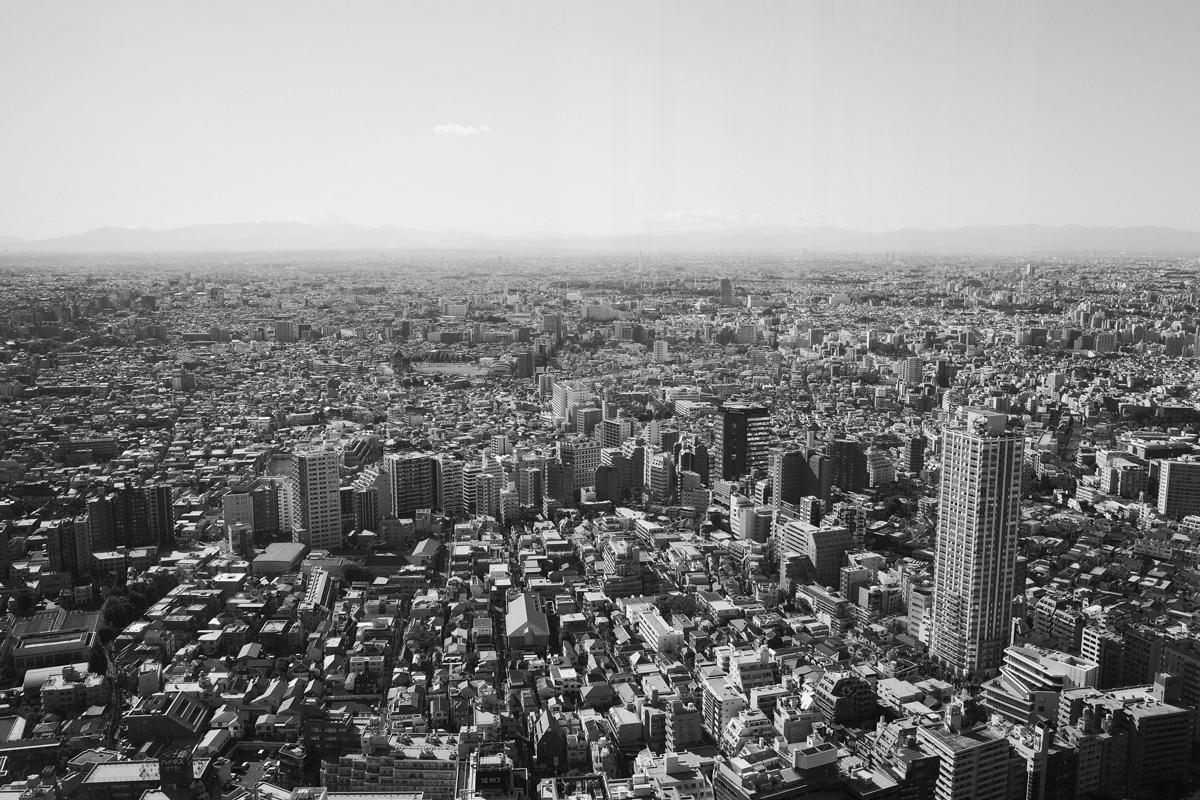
(1031, 681)
(581, 456)
(523, 365)
(848, 465)
(742, 435)
(788, 470)
(615, 430)
(823, 548)
(586, 420)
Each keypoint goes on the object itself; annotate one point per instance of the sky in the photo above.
(598, 118)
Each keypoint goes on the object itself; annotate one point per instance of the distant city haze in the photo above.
(599, 119)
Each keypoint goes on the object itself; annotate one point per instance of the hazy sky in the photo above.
(599, 117)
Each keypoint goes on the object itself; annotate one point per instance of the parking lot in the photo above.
(248, 770)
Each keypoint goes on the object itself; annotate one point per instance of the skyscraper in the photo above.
(975, 564)
(741, 441)
(726, 292)
(316, 505)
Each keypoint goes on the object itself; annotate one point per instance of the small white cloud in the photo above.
(461, 130)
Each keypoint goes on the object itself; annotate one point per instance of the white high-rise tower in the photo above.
(975, 565)
(316, 504)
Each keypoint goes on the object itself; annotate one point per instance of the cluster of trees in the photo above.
(685, 604)
(126, 604)
(353, 573)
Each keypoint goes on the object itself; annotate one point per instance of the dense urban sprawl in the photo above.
(289, 527)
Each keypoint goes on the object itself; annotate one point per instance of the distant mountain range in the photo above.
(305, 236)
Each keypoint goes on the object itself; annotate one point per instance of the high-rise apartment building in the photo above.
(524, 365)
(742, 435)
(1179, 489)
(972, 762)
(912, 371)
(914, 454)
(553, 325)
(487, 495)
(120, 518)
(448, 496)
(237, 508)
(161, 514)
(316, 504)
(413, 483)
(976, 543)
(660, 477)
(530, 486)
(265, 499)
(286, 331)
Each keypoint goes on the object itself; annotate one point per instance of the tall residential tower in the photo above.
(975, 566)
(316, 505)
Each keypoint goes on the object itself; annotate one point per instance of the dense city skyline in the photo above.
(599, 401)
(600, 527)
